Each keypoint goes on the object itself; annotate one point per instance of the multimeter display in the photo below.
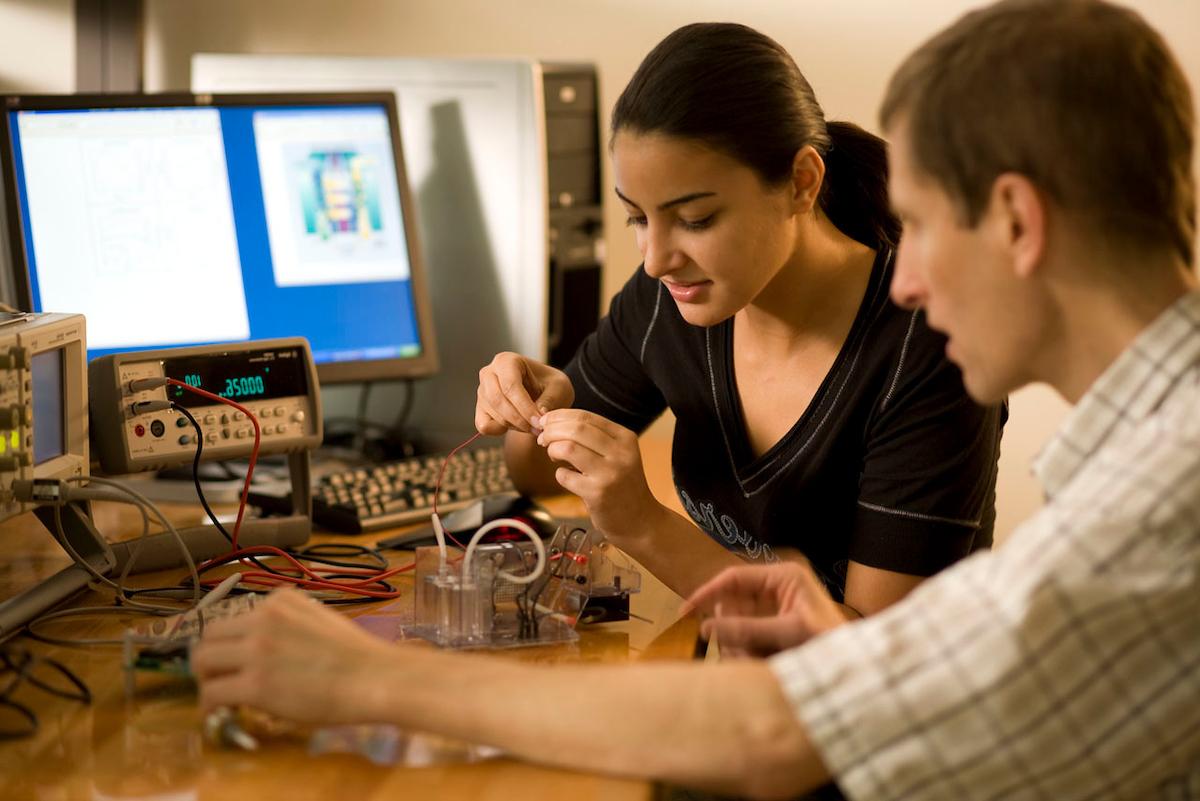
(245, 376)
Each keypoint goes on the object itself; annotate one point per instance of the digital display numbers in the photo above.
(239, 376)
(242, 386)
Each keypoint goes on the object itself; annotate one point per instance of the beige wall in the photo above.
(38, 54)
(846, 48)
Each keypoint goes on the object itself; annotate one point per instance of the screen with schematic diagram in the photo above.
(221, 219)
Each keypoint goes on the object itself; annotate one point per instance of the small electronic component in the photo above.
(223, 727)
(163, 644)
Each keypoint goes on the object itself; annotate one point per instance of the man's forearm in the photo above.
(725, 728)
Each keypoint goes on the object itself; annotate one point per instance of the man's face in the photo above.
(962, 277)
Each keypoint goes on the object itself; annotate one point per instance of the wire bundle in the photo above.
(362, 583)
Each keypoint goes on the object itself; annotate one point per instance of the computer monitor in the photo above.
(184, 219)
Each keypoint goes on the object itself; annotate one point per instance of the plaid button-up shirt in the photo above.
(1066, 664)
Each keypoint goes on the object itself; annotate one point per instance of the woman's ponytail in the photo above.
(854, 196)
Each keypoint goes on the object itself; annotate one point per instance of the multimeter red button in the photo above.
(139, 430)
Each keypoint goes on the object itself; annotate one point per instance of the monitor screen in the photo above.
(195, 219)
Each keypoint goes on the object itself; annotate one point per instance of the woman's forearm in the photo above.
(671, 547)
(531, 470)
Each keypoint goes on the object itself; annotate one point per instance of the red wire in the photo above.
(437, 489)
(237, 526)
(307, 578)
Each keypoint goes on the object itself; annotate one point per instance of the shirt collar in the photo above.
(1131, 388)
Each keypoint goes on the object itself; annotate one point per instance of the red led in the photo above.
(140, 430)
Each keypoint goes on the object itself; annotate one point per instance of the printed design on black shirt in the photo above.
(724, 529)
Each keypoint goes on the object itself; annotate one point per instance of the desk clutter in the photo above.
(517, 577)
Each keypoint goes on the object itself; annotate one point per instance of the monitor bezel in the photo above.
(422, 365)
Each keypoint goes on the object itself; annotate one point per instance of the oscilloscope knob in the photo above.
(14, 358)
(14, 460)
(10, 417)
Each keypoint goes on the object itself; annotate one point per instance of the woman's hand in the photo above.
(514, 389)
(758, 610)
(601, 463)
(291, 657)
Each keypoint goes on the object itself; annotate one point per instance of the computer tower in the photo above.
(576, 222)
(504, 160)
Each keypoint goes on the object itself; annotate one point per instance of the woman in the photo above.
(812, 414)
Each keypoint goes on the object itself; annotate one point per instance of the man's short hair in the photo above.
(1080, 96)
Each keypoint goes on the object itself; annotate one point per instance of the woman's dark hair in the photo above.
(739, 92)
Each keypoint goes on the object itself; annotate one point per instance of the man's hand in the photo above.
(758, 610)
(291, 657)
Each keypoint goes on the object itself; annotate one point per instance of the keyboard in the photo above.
(397, 493)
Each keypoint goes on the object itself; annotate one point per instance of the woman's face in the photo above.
(707, 226)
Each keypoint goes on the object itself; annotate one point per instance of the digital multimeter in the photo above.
(135, 417)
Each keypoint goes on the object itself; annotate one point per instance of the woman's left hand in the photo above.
(603, 466)
(291, 657)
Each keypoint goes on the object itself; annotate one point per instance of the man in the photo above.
(1042, 164)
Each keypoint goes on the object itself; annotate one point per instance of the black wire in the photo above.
(196, 471)
(401, 421)
(360, 427)
(25, 712)
(30, 661)
(309, 553)
(23, 669)
(313, 553)
(554, 573)
(200, 489)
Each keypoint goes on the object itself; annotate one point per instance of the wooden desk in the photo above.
(151, 745)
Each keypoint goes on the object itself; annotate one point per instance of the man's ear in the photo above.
(1018, 212)
(808, 173)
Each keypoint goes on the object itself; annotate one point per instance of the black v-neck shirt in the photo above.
(892, 465)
